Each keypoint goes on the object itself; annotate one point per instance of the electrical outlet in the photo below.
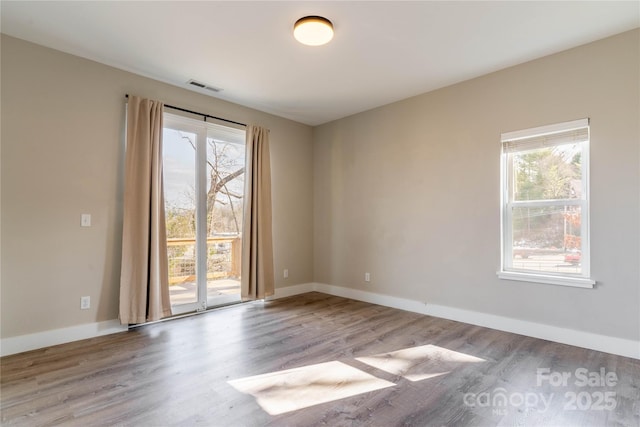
(367, 277)
(85, 303)
(285, 274)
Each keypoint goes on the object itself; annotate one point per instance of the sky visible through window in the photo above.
(180, 166)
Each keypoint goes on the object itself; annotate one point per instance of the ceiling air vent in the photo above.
(203, 86)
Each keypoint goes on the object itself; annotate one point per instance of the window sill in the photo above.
(577, 282)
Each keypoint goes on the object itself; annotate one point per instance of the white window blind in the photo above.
(576, 131)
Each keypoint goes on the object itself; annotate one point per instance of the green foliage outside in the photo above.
(546, 174)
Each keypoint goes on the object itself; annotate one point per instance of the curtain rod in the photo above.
(199, 114)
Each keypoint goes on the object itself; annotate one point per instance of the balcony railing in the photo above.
(223, 258)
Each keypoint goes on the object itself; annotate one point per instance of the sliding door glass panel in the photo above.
(204, 193)
(224, 199)
(179, 155)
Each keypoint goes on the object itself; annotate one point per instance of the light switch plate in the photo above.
(85, 303)
(85, 220)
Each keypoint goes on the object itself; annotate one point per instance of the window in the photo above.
(545, 204)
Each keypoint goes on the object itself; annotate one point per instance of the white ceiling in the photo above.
(382, 51)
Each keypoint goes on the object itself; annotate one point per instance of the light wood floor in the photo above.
(395, 367)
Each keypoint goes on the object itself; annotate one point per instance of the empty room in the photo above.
(306, 213)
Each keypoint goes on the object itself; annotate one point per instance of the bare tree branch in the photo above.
(223, 182)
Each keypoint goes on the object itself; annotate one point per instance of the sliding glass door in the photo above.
(204, 193)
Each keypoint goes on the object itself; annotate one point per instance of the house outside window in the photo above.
(545, 204)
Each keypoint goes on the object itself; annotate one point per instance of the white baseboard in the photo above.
(607, 344)
(13, 345)
(604, 343)
(288, 291)
(22, 343)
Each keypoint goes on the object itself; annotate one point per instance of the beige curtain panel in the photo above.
(257, 280)
(144, 287)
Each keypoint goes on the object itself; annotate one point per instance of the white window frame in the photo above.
(534, 138)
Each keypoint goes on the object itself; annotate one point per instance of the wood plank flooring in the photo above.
(209, 370)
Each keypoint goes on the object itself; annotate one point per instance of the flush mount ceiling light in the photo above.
(313, 30)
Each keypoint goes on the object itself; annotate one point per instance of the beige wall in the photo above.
(410, 191)
(62, 155)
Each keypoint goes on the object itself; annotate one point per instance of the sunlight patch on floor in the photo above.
(293, 389)
(419, 363)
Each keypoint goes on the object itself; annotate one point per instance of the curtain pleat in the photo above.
(257, 278)
(144, 287)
